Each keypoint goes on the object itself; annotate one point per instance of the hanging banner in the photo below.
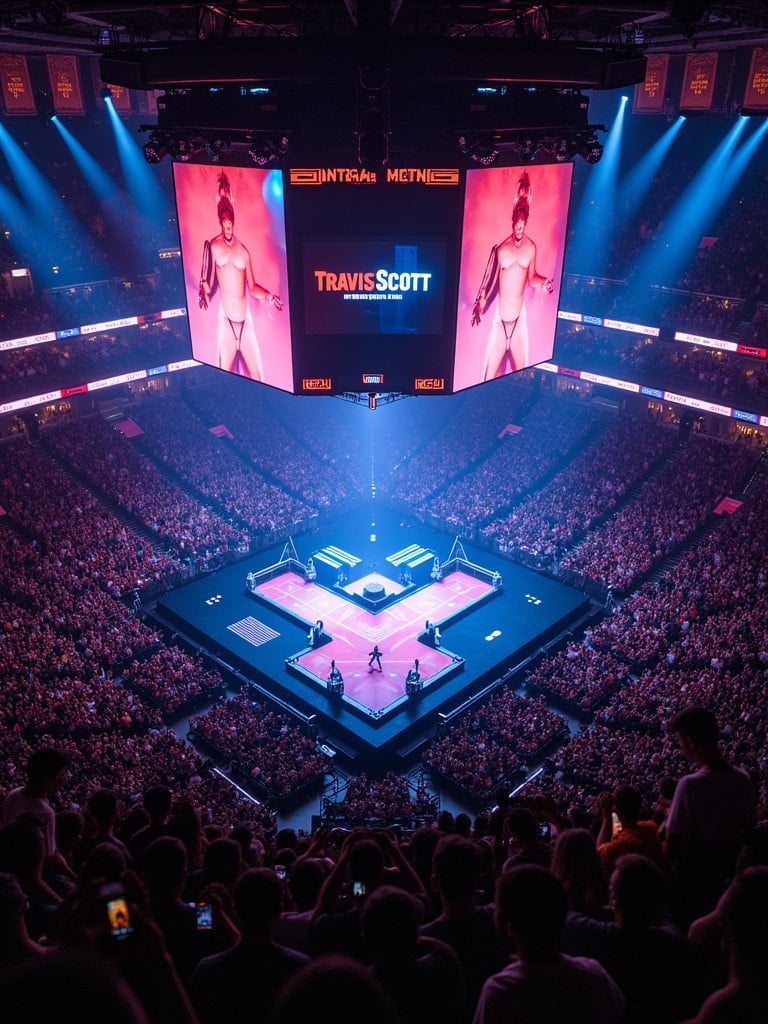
(65, 84)
(698, 89)
(121, 98)
(16, 87)
(756, 90)
(651, 92)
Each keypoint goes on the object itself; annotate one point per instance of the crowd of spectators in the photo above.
(263, 744)
(57, 364)
(182, 443)
(698, 635)
(111, 464)
(276, 451)
(79, 666)
(82, 672)
(667, 510)
(578, 677)
(367, 800)
(70, 525)
(591, 486)
(465, 439)
(174, 681)
(515, 465)
(708, 373)
(491, 744)
(538, 903)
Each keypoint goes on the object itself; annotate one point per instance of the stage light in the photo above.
(266, 148)
(591, 149)
(372, 396)
(155, 148)
(482, 151)
(46, 112)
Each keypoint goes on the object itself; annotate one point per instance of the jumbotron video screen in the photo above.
(411, 279)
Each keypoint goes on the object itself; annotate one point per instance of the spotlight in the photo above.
(264, 149)
(155, 148)
(105, 92)
(482, 151)
(591, 149)
(46, 111)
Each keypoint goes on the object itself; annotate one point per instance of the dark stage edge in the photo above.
(530, 612)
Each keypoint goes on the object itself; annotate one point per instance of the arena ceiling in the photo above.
(95, 26)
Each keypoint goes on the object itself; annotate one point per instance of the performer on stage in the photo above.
(375, 655)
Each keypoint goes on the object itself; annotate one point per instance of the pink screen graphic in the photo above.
(519, 269)
(242, 329)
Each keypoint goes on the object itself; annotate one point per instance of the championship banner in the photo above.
(698, 88)
(65, 84)
(756, 90)
(121, 98)
(16, 86)
(650, 93)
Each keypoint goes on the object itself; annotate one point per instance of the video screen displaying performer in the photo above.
(513, 241)
(232, 231)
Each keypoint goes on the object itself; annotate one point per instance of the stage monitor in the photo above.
(514, 227)
(232, 232)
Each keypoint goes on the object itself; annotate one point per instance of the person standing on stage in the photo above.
(375, 655)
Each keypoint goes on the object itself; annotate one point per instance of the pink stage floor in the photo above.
(354, 631)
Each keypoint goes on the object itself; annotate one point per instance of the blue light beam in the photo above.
(141, 182)
(637, 181)
(53, 235)
(593, 225)
(664, 260)
(101, 184)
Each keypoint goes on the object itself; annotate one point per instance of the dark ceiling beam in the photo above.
(415, 61)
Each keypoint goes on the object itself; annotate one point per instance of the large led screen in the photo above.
(513, 240)
(232, 231)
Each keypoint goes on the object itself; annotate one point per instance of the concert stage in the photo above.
(278, 620)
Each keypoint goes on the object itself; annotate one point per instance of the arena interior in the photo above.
(569, 554)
